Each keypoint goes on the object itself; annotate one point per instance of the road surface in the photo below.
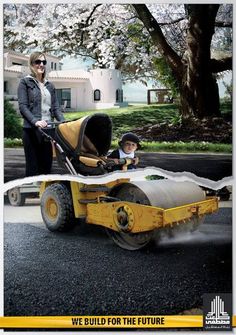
(84, 273)
(210, 166)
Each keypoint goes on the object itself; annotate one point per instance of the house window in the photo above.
(64, 94)
(119, 95)
(52, 65)
(55, 66)
(97, 95)
(5, 87)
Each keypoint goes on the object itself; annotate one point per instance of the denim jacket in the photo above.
(29, 100)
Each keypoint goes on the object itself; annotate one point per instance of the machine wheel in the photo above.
(15, 197)
(130, 241)
(126, 240)
(224, 194)
(57, 208)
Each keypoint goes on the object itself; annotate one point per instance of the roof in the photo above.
(62, 74)
(15, 53)
(14, 68)
(26, 56)
(69, 74)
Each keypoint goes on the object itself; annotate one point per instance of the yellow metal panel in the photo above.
(117, 182)
(80, 210)
(141, 218)
(43, 186)
(101, 214)
(186, 212)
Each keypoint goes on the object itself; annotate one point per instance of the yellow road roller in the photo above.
(130, 211)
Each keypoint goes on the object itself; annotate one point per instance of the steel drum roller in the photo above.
(162, 193)
(159, 193)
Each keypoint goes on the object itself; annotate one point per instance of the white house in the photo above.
(76, 89)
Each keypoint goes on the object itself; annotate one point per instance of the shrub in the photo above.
(12, 123)
(12, 142)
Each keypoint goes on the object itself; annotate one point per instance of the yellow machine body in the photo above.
(82, 194)
(126, 216)
(140, 218)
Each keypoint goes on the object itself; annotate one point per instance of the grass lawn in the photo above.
(134, 116)
(127, 118)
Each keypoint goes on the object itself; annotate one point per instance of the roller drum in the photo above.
(158, 193)
(168, 194)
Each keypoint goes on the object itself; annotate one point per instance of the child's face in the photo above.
(129, 147)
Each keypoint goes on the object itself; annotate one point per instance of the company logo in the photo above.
(218, 316)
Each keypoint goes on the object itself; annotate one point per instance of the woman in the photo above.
(38, 105)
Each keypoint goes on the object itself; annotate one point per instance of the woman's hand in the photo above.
(41, 124)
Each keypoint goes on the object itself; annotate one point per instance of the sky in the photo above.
(132, 92)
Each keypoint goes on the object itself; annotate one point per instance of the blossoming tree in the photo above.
(133, 38)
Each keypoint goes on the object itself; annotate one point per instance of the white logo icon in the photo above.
(217, 315)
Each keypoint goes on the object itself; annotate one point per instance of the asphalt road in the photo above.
(84, 273)
(210, 166)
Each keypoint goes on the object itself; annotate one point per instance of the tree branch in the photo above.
(222, 24)
(172, 22)
(158, 38)
(87, 23)
(221, 65)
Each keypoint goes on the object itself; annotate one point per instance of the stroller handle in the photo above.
(44, 133)
(53, 124)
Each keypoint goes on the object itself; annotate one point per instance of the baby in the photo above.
(129, 143)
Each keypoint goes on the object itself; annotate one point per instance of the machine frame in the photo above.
(93, 203)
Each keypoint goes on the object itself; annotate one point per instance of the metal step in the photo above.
(88, 201)
(95, 189)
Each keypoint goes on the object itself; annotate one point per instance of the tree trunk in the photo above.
(199, 94)
(198, 87)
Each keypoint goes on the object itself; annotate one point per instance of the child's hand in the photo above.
(135, 160)
(114, 160)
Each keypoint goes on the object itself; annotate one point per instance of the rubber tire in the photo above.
(61, 196)
(223, 194)
(16, 198)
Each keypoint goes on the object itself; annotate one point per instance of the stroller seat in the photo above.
(86, 142)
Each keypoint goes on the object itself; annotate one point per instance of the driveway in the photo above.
(210, 166)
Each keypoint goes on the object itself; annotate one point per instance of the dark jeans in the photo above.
(38, 153)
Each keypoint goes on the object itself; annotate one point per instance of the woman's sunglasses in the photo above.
(39, 61)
